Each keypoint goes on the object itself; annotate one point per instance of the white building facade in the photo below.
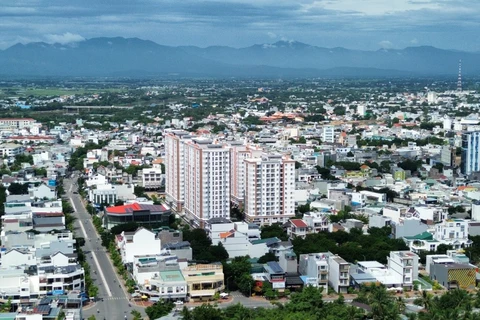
(207, 181)
(269, 187)
(174, 166)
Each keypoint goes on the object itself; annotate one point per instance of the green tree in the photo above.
(269, 256)
(245, 283)
(7, 306)
(40, 172)
(274, 230)
(159, 309)
(18, 188)
(139, 191)
(136, 315)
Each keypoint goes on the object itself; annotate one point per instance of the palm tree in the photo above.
(426, 300)
(400, 304)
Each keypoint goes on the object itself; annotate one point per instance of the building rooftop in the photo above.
(267, 241)
(299, 223)
(274, 267)
(175, 275)
(177, 245)
(130, 208)
(422, 236)
(371, 264)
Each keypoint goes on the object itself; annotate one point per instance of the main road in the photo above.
(112, 302)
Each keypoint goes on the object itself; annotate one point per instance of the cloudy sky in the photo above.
(355, 24)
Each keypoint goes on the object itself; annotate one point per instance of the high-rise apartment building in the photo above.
(238, 153)
(207, 181)
(328, 134)
(269, 186)
(174, 167)
(470, 152)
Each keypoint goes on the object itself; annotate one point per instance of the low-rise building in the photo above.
(144, 214)
(137, 243)
(405, 265)
(204, 280)
(296, 228)
(313, 269)
(339, 273)
(275, 274)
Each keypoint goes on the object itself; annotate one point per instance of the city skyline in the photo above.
(369, 25)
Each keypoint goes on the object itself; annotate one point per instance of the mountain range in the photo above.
(133, 57)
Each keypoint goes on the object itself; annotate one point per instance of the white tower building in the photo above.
(207, 181)
(269, 186)
(174, 167)
(328, 134)
(238, 153)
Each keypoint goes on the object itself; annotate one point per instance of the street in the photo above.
(112, 301)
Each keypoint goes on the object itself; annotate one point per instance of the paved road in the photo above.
(115, 301)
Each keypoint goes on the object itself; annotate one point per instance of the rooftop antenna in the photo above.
(459, 81)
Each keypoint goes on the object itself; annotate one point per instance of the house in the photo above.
(313, 268)
(339, 273)
(170, 285)
(159, 277)
(405, 265)
(275, 274)
(408, 227)
(296, 228)
(181, 249)
(42, 192)
(137, 243)
(422, 241)
(236, 237)
(453, 232)
(316, 221)
(204, 280)
(454, 275)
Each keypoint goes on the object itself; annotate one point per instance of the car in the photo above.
(75, 192)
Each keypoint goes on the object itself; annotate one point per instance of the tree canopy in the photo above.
(353, 246)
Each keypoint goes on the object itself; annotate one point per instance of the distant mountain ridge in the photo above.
(136, 57)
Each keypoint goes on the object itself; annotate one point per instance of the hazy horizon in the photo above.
(71, 42)
(359, 25)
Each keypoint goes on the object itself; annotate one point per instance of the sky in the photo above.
(353, 24)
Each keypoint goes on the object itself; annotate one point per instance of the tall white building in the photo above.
(447, 123)
(361, 110)
(207, 181)
(328, 134)
(470, 152)
(432, 97)
(269, 186)
(238, 153)
(174, 166)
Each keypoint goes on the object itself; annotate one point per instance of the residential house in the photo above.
(137, 243)
(313, 268)
(42, 192)
(405, 265)
(204, 280)
(296, 228)
(275, 274)
(339, 273)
